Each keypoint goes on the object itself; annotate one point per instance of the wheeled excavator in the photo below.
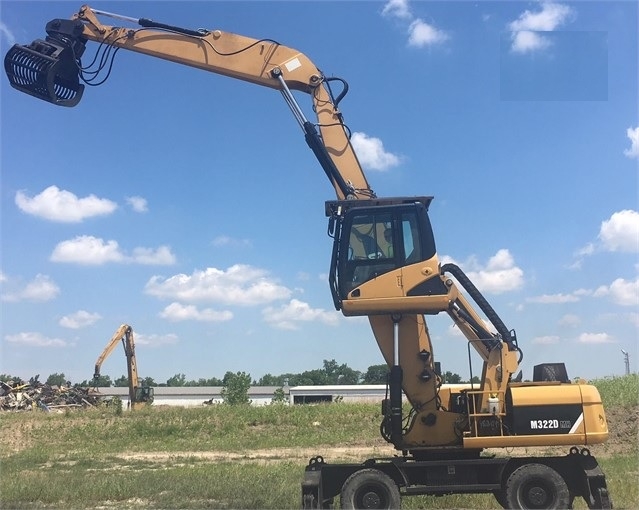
(139, 396)
(384, 266)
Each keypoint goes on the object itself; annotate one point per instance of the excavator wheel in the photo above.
(500, 497)
(369, 488)
(537, 486)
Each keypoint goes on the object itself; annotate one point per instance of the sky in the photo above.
(188, 205)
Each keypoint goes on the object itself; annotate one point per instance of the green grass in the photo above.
(99, 459)
(619, 391)
(226, 428)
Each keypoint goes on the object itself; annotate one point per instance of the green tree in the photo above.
(213, 381)
(348, 375)
(270, 380)
(104, 381)
(7, 378)
(376, 374)
(340, 374)
(121, 382)
(451, 378)
(314, 377)
(176, 380)
(235, 389)
(148, 382)
(279, 397)
(57, 380)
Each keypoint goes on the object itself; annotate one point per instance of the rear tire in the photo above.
(537, 486)
(369, 488)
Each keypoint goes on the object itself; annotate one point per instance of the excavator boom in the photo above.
(52, 70)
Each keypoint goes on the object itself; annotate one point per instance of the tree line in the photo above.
(331, 373)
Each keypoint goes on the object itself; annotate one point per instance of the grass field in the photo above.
(233, 457)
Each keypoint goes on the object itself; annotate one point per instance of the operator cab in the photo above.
(373, 238)
(144, 394)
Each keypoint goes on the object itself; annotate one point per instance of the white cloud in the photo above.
(546, 340)
(595, 338)
(238, 285)
(397, 9)
(499, 275)
(573, 297)
(79, 319)
(422, 34)
(371, 153)
(33, 339)
(178, 312)
(55, 204)
(622, 292)
(7, 34)
(526, 31)
(553, 298)
(155, 340)
(138, 204)
(569, 320)
(288, 315)
(589, 249)
(527, 41)
(633, 135)
(160, 256)
(225, 240)
(87, 250)
(621, 232)
(41, 288)
(94, 251)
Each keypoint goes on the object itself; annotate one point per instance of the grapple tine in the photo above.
(46, 70)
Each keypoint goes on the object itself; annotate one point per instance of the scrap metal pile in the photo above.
(20, 396)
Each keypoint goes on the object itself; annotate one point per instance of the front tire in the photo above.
(537, 486)
(369, 488)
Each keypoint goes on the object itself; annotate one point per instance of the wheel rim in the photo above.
(536, 494)
(372, 496)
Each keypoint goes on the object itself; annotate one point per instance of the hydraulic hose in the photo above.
(506, 334)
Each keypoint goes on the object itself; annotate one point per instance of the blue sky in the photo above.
(188, 205)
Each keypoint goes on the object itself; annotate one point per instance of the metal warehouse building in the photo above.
(189, 396)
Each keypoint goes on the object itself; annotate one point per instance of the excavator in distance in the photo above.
(384, 266)
(139, 396)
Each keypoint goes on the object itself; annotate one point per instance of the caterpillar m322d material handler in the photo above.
(139, 396)
(384, 266)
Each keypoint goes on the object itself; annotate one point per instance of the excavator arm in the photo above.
(52, 70)
(121, 334)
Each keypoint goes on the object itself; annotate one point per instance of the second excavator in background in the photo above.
(139, 396)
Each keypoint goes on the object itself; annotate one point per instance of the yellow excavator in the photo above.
(384, 266)
(139, 396)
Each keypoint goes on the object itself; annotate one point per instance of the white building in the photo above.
(189, 396)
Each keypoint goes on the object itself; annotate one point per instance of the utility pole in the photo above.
(626, 359)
